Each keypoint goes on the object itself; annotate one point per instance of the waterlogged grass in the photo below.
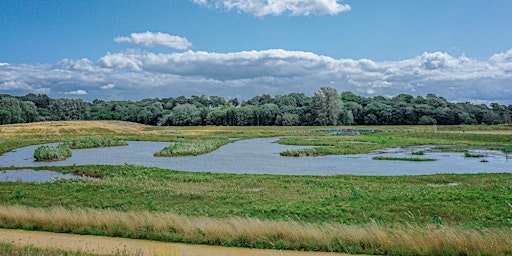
(418, 153)
(95, 142)
(63, 151)
(468, 154)
(367, 142)
(193, 147)
(52, 153)
(481, 200)
(412, 159)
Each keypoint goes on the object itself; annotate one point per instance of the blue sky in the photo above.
(458, 49)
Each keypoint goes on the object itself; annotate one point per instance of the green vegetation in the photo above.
(52, 153)
(193, 147)
(418, 153)
(94, 142)
(326, 107)
(468, 154)
(63, 151)
(355, 214)
(412, 159)
(12, 249)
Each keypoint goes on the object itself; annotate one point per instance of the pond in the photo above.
(28, 175)
(261, 156)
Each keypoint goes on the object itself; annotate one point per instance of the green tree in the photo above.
(327, 106)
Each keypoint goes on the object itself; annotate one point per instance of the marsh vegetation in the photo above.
(404, 215)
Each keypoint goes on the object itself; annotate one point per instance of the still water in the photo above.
(261, 156)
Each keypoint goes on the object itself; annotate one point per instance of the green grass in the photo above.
(7, 248)
(52, 153)
(468, 154)
(418, 153)
(412, 159)
(94, 142)
(481, 199)
(193, 147)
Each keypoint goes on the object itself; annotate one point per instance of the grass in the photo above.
(468, 154)
(372, 238)
(12, 249)
(94, 142)
(412, 159)
(355, 214)
(193, 147)
(418, 153)
(52, 153)
(63, 150)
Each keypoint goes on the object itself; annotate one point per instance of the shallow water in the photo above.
(261, 156)
(28, 175)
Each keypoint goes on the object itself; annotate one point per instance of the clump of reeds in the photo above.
(413, 159)
(468, 154)
(250, 232)
(193, 147)
(52, 153)
(95, 142)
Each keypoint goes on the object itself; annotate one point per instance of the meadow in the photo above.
(444, 214)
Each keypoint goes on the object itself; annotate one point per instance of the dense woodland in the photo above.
(325, 107)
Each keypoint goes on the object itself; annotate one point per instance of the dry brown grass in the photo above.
(251, 232)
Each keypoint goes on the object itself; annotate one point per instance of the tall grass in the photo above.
(95, 142)
(52, 153)
(370, 238)
(193, 148)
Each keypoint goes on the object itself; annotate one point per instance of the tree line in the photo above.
(325, 107)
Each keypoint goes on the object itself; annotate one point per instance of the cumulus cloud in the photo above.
(262, 8)
(137, 74)
(151, 39)
(77, 92)
(107, 86)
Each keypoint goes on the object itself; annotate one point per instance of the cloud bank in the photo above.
(150, 39)
(136, 74)
(262, 8)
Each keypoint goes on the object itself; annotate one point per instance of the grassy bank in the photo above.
(370, 238)
(412, 159)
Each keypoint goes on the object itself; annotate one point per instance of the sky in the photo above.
(130, 50)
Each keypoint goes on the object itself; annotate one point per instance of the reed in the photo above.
(193, 147)
(94, 142)
(373, 238)
(413, 159)
(52, 153)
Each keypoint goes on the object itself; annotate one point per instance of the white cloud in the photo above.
(107, 86)
(262, 8)
(150, 39)
(77, 92)
(138, 74)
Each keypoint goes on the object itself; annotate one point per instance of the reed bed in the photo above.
(371, 238)
(193, 147)
(94, 142)
(52, 153)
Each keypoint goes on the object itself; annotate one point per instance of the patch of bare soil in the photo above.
(109, 245)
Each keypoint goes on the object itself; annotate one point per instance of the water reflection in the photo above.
(28, 175)
(261, 156)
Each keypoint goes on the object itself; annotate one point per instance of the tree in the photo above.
(327, 106)
(186, 114)
(69, 109)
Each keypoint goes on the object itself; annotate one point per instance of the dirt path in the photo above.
(109, 245)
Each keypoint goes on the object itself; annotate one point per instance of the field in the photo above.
(407, 215)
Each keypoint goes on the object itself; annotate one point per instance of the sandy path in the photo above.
(109, 245)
